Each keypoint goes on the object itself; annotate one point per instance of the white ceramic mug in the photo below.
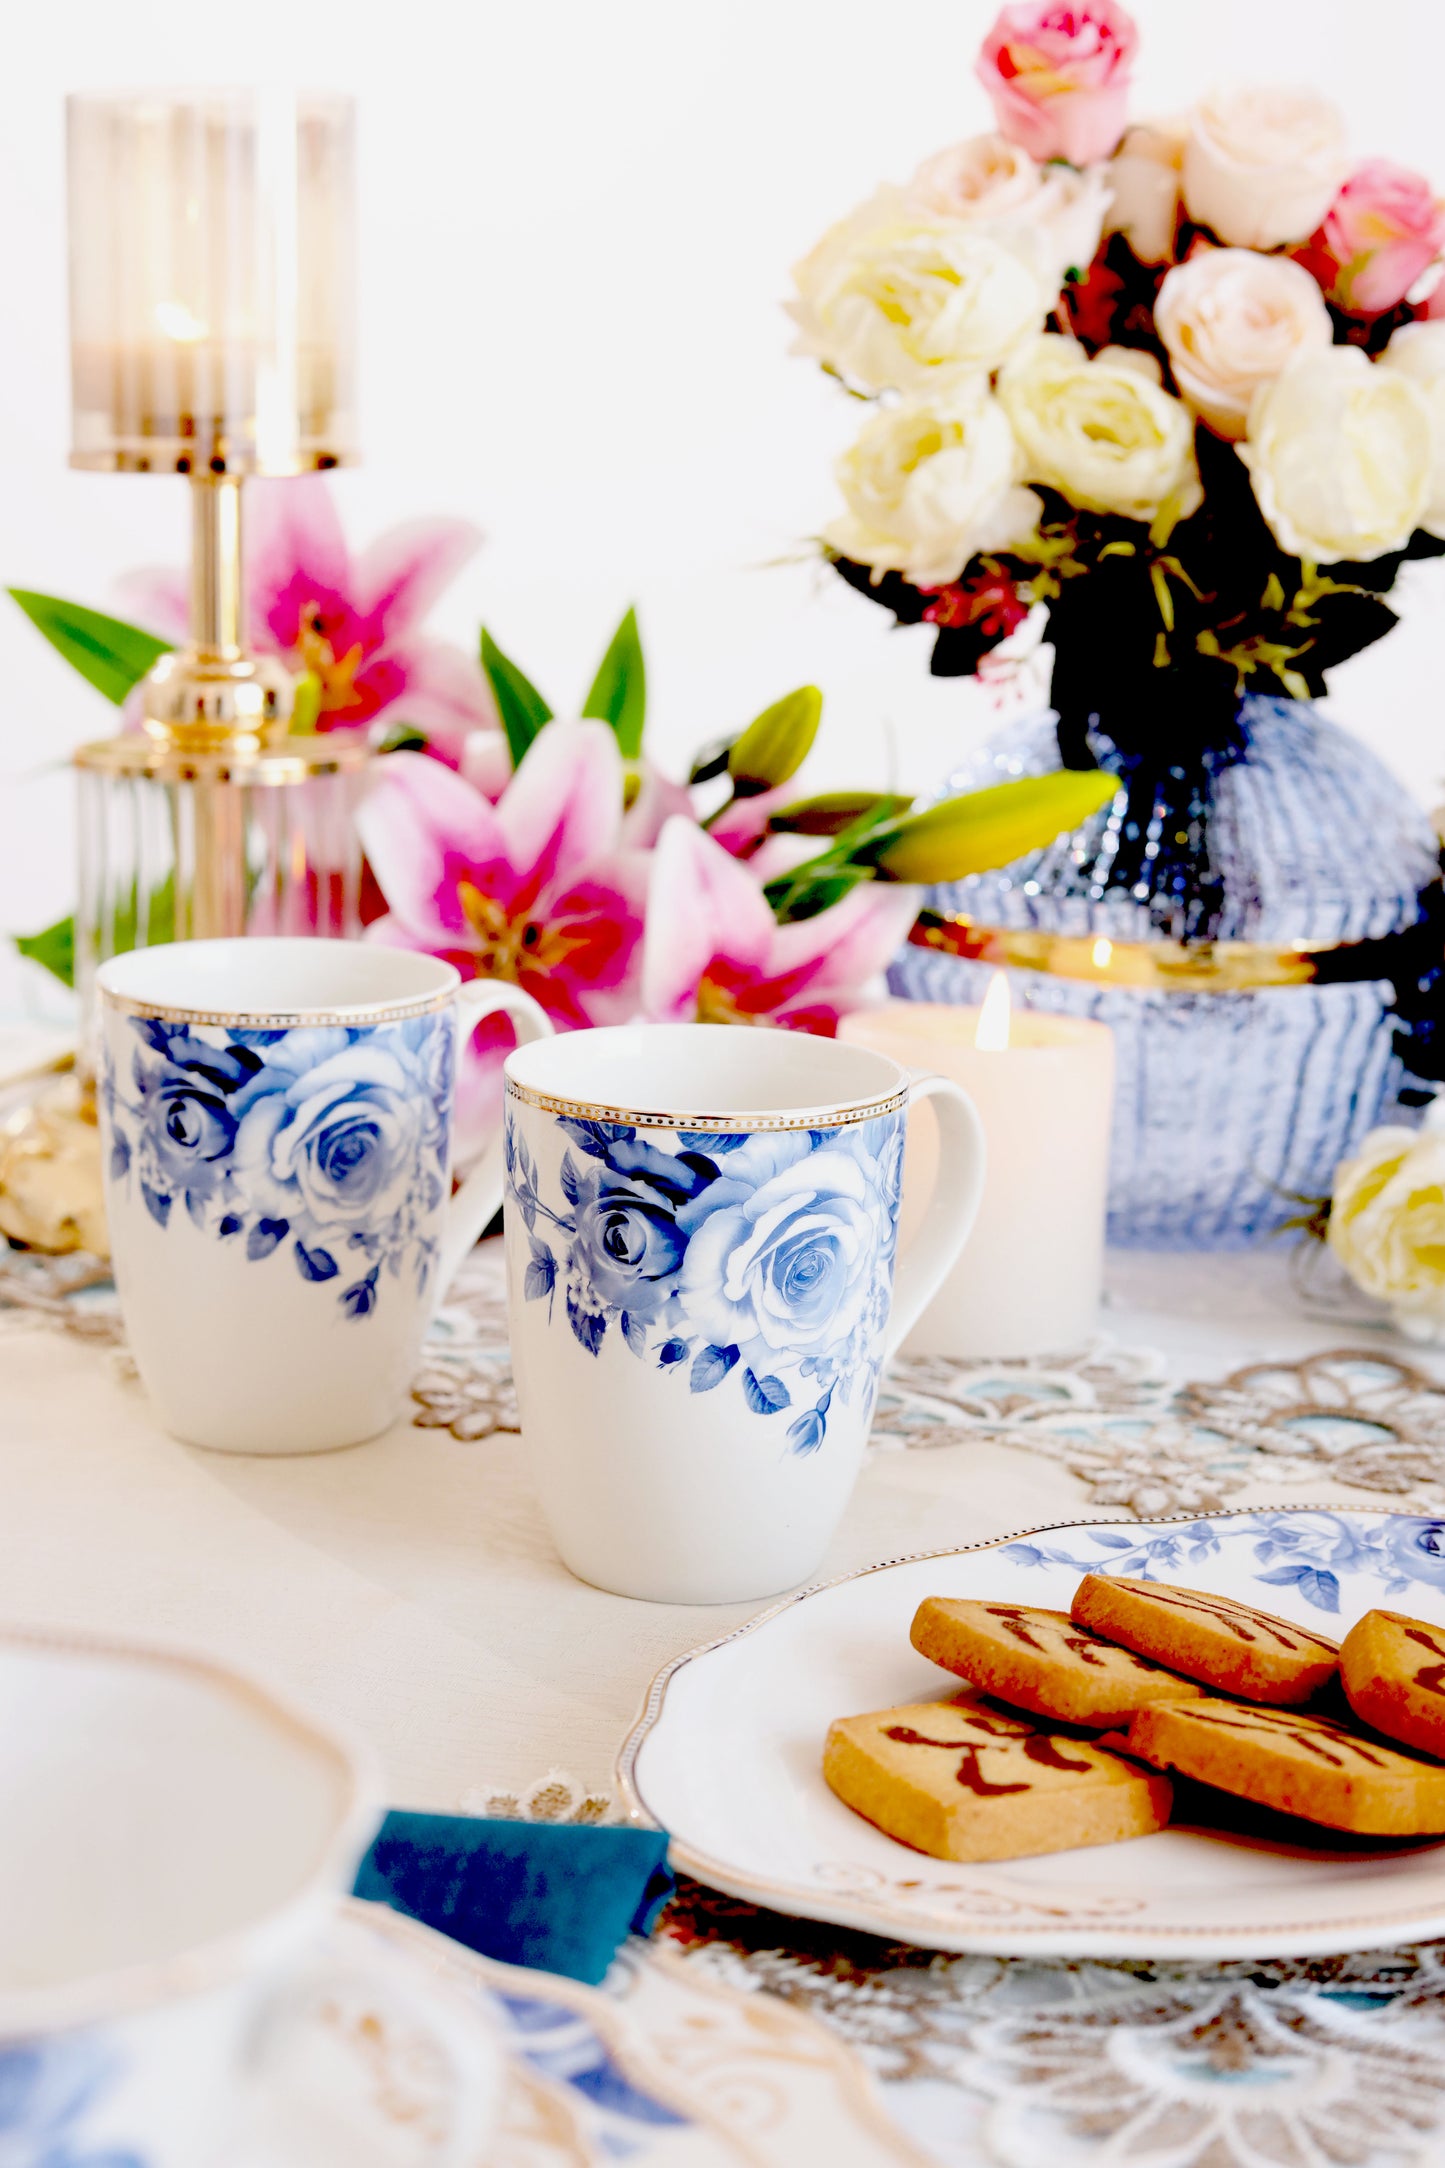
(701, 1230)
(173, 1840)
(276, 1121)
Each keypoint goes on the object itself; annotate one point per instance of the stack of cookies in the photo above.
(1072, 1720)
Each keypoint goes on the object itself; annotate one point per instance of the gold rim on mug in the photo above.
(363, 1013)
(718, 1124)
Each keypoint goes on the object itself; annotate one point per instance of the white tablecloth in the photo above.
(408, 1587)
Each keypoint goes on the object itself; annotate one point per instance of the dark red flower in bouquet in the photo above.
(989, 603)
(1089, 306)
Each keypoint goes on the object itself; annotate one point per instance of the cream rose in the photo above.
(1418, 352)
(1100, 432)
(1051, 215)
(1387, 1223)
(928, 485)
(1262, 166)
(1144, 188)
(896, 300)
(1341, 455)
(1231, 321)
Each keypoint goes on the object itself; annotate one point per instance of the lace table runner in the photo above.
(1328, 2063)
(1139, 1438)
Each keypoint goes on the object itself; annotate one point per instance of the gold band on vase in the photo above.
(1162, 966)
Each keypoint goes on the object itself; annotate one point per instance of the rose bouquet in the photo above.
(1178, 385)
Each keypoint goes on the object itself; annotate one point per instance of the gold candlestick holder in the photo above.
(212, 335)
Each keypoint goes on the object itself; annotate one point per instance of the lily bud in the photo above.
(776, 743)
(835, 810)
(987, 828)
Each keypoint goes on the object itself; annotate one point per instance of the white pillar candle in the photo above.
(1030, 1277)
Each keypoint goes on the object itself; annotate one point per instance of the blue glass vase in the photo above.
(1285, 836)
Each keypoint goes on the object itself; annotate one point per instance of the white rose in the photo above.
(1101, 433)
(1418, 352)
(1231, 321)
(1387, 1222)
(1144, 188)
(1053, 215)
(1262, 165)
(928, 485)
(894, 300)
(1341, 455)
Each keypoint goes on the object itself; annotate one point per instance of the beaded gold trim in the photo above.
(722, 1124)
(360, 1013)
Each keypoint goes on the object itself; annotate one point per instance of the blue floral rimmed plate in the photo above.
(727, 1754)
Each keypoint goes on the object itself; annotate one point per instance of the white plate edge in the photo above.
(1018, 1939)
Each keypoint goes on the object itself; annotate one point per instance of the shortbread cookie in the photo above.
(1230, 1646)
(1393, 1672)
(1041, 1661)
(964, 1781)
(1305, 1765)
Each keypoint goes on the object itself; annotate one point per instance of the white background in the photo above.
(577, 222)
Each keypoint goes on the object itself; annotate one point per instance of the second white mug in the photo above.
(702, 1224)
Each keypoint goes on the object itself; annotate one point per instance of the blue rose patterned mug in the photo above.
(276, 1120)
(701, 1232)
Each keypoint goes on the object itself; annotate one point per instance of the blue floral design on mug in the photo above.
(47, 2088)
(326, 1141)
(768, 1255)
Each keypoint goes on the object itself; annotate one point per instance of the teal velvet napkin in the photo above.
(555, 1896)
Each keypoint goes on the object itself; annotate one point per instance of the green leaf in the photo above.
(53, 950)
(619, 690)
(987, 828)
(777, 742)
(833, 811)
(521, 707)
(812, 889)
(109, 654)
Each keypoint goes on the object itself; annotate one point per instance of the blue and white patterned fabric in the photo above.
(1230, 1107)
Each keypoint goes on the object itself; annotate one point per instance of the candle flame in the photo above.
(992, 1034)
(178, 323)
(1103, 954)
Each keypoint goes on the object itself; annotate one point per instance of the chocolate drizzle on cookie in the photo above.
(1239, 1619)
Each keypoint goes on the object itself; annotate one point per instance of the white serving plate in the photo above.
(727, 1754)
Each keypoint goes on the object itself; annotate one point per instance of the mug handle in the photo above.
(952, 1209)
(481, 1192)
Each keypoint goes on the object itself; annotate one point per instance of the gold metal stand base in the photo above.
(51, 1195)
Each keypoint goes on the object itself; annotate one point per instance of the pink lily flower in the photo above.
(353, 621)
(537, 889)
(654, 797)
(715, 954)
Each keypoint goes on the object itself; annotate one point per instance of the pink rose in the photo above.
(1384, 228)
(1059, 76)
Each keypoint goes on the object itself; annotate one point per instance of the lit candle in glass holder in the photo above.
(1031, 1274)
(212, 281)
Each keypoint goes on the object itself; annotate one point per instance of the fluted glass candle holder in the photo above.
(212, 241)
(212, 281)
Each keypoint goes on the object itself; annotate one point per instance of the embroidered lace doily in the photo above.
(1307, 2063)
(1138, 1439)
(1332, 2062)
